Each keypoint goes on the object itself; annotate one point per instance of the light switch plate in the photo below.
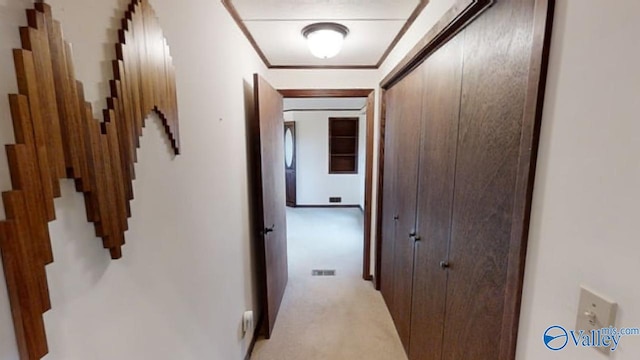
(595, 312)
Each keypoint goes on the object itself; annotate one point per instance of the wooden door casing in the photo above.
(268, 130)
(290, 170)
(442, 74)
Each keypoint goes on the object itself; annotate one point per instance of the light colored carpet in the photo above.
(338, 317)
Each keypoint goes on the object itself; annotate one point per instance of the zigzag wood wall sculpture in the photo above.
(57, 137)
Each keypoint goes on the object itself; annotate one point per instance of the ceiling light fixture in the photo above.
(325, 39)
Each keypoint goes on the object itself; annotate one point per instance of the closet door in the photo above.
(408, 122)
(442, 74)
(389, 213)
(496, 66)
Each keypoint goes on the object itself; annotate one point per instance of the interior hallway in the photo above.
(329, 317)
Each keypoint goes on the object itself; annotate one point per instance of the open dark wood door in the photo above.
(290, 161)
(267, 131)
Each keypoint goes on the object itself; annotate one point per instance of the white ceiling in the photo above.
(329, 9)
(276, 27)
(324, 103)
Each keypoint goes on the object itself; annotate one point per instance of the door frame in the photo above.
(368, 177)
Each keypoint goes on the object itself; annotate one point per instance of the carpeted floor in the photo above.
(338, 317)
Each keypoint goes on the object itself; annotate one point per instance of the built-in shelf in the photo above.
(343, 145)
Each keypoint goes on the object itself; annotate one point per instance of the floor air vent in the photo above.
(323, 273)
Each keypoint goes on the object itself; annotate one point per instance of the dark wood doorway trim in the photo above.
(316, 93)
(368, 176)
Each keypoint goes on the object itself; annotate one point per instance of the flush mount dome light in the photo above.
(325, 39)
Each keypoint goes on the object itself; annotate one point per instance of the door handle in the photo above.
(444, 265)
(414, 236)
(396, 217)
(268, 230)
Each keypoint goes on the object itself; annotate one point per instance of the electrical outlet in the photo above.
(594, 313)
(247, 321)
(335, 199)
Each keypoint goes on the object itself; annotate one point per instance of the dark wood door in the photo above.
(268, 129)
(442, 73)
(408, 119)
(491, 119)
(290, 159)
(389, 214)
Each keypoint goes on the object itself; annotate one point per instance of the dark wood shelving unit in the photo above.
(343, 145)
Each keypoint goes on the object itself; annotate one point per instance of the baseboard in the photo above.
(368, 277)
(329, 206)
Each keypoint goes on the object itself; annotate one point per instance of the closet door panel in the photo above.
(496, 59)
(408, 121)
(389, 212)
(440, 112)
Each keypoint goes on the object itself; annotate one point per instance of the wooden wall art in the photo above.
(57, 137)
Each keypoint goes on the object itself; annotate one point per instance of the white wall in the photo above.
(186, 278)
(423, 23)
(584, 228)
(323, 79)
(314, 183)
(288, 116)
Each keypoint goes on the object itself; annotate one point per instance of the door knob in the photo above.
(268, 230)
(444, 264)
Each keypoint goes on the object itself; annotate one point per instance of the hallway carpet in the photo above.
(339, 317)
